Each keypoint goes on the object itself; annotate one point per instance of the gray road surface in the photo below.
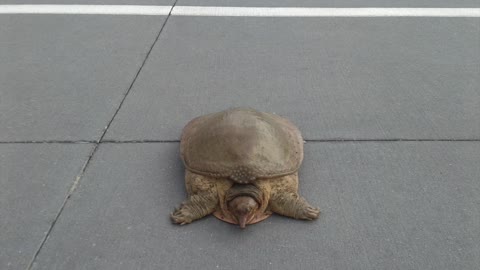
(91, 108)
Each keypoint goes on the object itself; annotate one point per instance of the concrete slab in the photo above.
(63, 76)
(403, 205)
(348, 78)
(34, 180)
(330, 3)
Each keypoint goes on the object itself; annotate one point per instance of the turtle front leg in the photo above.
(293, 205)
(195, 207)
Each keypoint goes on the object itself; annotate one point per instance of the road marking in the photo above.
(324, 12)
(239, 11)
(85, 9)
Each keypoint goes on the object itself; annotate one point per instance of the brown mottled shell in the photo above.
(241, 144)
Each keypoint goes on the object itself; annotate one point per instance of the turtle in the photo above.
(241, 165)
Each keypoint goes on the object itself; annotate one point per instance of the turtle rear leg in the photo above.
(293, 205)
(202, 199)
(286, 201)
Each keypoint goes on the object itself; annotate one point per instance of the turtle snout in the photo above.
(243, 209)
(242, 221)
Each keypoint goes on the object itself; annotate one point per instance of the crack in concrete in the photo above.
(94, 150)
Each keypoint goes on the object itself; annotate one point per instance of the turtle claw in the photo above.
(181, 216)
(310, 213)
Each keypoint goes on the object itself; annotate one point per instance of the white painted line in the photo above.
(239, 11)
(85, 9)
(324, 12)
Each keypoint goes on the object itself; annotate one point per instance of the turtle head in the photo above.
(243, 208)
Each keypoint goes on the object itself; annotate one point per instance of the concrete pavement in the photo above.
(91, 107)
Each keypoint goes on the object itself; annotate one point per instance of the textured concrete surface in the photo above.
(395, 205)
(386, 204)
(348, 78)
(62, 77)
(34, 180)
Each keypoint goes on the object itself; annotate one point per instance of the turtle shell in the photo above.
(241, 144)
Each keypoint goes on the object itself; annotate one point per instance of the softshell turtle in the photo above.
(242, 165)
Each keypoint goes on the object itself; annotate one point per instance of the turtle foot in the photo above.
(181, 216)
(309, 213)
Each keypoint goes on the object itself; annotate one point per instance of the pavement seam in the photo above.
(394, 140)
(314, 140)
(64, 203)
(138, 73)
(177, 141)
(97, 144)
(50, 141)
